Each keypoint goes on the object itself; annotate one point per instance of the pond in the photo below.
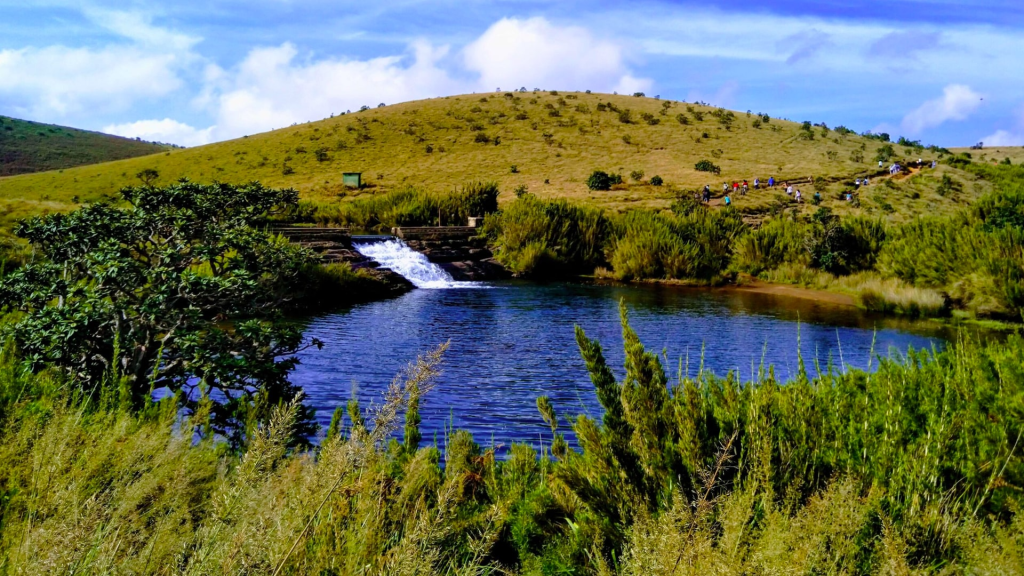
(511, 342)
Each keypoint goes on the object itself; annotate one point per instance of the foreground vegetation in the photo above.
(913, 468)
(27, 147)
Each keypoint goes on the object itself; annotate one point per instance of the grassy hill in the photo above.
(547, 141)
(27, 147)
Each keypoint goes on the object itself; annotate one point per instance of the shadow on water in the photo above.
(514, 342)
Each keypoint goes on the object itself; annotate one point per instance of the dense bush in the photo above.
(696, 246)
(657, 180)
(144, 296)
(707, 166)
(599, 180)
(536, 238)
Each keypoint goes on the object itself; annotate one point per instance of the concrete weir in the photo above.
(459, 250)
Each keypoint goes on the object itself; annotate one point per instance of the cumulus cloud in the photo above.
(56, 81)
(1008, 137)
(904, 45)
(957, 103)
(804, 45)
(165, 130)
(530, 53)
(272, 88)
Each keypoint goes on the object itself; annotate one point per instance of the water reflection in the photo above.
(514, 343)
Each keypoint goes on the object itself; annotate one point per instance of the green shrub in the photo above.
(599, 180)
(528, 235)
(637, 175)
(775, 242)
(707, 166)
(625, 116)
(656, 181)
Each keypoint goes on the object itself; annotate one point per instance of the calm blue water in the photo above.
(514, 342)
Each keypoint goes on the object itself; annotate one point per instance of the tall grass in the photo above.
(537, 238)
(912, 467)
(696, 245)
(406, 207)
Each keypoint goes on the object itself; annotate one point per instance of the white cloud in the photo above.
(274, 87)
(957, 103)
(270, 89)
(535, 53)
(56, 81)
(139, 28)
(165, 130)
(1004, 138)
(1011, 137)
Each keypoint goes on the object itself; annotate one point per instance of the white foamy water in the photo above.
(396, 256)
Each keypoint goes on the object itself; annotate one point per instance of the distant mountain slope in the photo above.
(547, 141)
(27, 147)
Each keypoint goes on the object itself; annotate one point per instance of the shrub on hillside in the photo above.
(637, 175)
(657, 181)
(625, 116)
(599, 180)
(707, 166)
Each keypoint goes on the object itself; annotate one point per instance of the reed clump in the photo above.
(404, 207)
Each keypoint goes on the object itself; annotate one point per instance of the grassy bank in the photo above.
(914, 468)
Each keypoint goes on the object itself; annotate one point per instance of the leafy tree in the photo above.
(178, 291)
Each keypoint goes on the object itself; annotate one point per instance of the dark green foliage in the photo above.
(599, 180)
(707, 166)
(682, 119)
(141, 296)
(625, 116)
(657, 181)
(637, 175)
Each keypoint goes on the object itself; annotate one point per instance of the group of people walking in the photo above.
(741, 188)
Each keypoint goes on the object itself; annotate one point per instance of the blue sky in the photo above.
(944, 72)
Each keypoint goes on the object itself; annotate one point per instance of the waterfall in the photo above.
(394, 255)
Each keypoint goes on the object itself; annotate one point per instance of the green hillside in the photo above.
(27, 147)
(547, 141)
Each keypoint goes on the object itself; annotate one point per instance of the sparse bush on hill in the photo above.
(625, 116)
(682, 119)
(707, 166)
(637, 175)
(599, 180)
(657, 181)
(884, 153)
